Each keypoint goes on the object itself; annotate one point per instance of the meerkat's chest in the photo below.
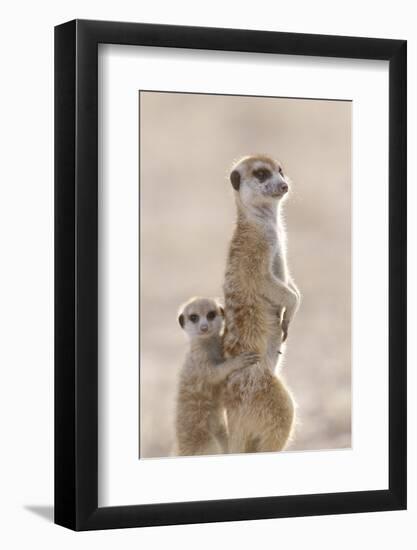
(279, 265)
(278, 257)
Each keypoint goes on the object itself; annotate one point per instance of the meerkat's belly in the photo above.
(247, 328)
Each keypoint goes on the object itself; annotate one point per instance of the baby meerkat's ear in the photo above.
(221, 311)
(235, 179)
(181, 320)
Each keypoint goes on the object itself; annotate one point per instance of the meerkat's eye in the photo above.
(262, 174)
(211, 315)
(281, 171)
(193, 317)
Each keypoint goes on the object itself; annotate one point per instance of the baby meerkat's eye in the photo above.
(211, 315)
(262, 174)
(193, 317)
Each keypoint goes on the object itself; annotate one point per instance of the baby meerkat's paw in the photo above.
(250, 358)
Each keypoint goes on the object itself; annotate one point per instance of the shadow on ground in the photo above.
(45, 512)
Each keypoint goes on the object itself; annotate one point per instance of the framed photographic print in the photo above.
(230, 254)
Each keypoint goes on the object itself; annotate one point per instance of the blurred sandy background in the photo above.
(187, 145)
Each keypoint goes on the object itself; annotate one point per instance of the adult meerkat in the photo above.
(200, 421)
(260, 302)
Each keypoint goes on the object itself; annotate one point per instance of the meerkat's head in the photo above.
(201, 317)
(259, 181)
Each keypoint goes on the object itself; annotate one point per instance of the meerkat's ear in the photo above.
(221, 311)
(181, 320)
(235, 179)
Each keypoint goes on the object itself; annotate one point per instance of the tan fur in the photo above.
(200, 421)
(260, 302)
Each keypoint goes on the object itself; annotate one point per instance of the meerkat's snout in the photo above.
(281, 189)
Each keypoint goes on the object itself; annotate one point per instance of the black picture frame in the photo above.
(76, 272)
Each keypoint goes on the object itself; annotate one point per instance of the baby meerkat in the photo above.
(200, 420)
(260, 302)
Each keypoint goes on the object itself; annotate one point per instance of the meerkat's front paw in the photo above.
(250, 358)
(284, 327)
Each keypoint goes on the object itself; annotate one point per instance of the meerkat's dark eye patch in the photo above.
(262, 174)
(211, 315)
(193, 318)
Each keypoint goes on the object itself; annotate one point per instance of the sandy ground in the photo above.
(188, 143)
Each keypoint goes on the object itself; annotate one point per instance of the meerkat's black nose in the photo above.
(284, 187)
(204, 328)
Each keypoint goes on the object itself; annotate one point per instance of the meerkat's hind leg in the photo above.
(237, 433)
(272, 440)
(210, 447)
(196, 442)
(252, 444)
(218, 428)
(278, 428)
(222, 438)
(267, 425)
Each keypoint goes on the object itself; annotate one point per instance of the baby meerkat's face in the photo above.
(259, 180)
(201, 317)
